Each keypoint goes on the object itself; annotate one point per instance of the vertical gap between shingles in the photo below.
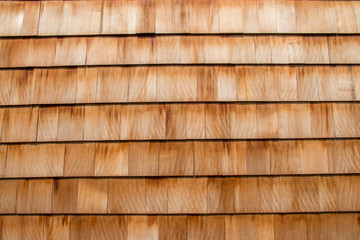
(38, 26)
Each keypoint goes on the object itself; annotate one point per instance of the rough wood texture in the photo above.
(178, 84)
(181, 158)
(191, 119)
(82, 51)
(135, 16)
(182, 195)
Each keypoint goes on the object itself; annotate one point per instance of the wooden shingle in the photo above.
(111, 159)
(92, 195)
(79, 159)
(144, 159)
(126, 196)
(108, 227)
(119, 17)
(176, 158)
(56, 227)
(19, 18)
(206, 227)
(148, 225)
(173, 227)
(102, 51)
(8, 196)
(217, 121)
(6, 81)
(70, 18)
(34, 196)
(65, 195)
(35, 160)
(71, 123)
(16, 227)
(206, 16)
(220, 195)
(21, 85)
(156, 196)
(172, 16)
(102, 122)
(187, 195)
(112, 85)
(42, 52)
(70, 51)
(14, 122)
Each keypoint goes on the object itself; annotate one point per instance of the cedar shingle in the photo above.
(41, 52)
(79, 159)
(48, 124)
(65, 194)
(145, 16)
(17, 227)
(243, 121)
(3, 156)
(34, 196)
(102, 122)
(192, 50)
(6, 82)
(175, 121)
(187, 195)
(217, 49)
(108, 227)
(206, 16)
(35, 160)
(70, 123)
(8, 196)
(220, 195)
(167, 49)
(19, 18)
(217, 121)
(206, 227)
(156, 196)
(126, 196)
(207, 84)
(143, 227)
(230, 16)
(345, 17)
(86, 81)
(21, 86)
(172, 16)
(172, 227)
(176, 84)
(92, 195)
(176, 158)
(195, 118)
(102, 51)
(70, 51)
(294, 121)
(19, 124)
(346, 118)
(54, 86)
(313, 157)
(111, 159)
(57, 227)
(70, 18)
(143, 159)
(284, 157)
(249, 227)
(226, 84)
(119, 17)
(142, 84)
(112, 85)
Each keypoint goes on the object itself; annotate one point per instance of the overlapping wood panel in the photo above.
(238, 49)
(159, 16)
(179, 84)
(199, 195)
(172, 121)
(182, 158)
(301, 226)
